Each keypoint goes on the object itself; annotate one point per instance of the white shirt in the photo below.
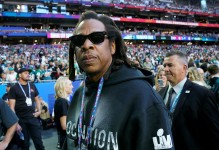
(177, 89)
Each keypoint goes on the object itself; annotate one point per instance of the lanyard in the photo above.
(92, 115)
(23, 89)
(176, 99)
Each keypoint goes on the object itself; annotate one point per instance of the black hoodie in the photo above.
(130, 115)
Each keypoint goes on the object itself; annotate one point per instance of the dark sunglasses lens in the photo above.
(97, 37)
(78, 40)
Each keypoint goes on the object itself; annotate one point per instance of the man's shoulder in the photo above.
(14, 87)
(1, 102)
(4, 96)
(197, 89)
(3, 105)
(217, 80)
(32, 84)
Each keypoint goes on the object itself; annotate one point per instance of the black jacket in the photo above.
(195, 123)
(130, 115)
(214, 83)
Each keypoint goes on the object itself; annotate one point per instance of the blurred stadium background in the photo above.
(145, 21)
(34, 33)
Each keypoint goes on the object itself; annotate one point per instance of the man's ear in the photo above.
(186, 67)
(113, 47)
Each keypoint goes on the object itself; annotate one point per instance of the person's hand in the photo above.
(36, 114)
(19, 129)
(3, 145)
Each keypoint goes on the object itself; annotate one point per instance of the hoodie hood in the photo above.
(127, 103)
(124, 74)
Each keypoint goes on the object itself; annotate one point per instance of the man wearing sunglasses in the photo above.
(116, 108)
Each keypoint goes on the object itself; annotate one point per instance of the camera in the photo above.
(160, 83)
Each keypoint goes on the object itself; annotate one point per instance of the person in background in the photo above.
(191, 63)
(53, 69)
(194, 111)
(5, 96)
(45, 117)
(8, 124)
(41, 54)
(63, 69)
(46, 73)
(38, 73)
(7, 66)
(21, 100)
(160, 79)
(12, 75)
(32, 76)
(63, 88)
(116, 108)
(3, 78)
(148, 64)
(196, 77)
(213, 70)
(202, 74)
(204, 67)
(1, 70)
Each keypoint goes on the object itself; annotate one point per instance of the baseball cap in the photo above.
(10, 69)
(23, 70)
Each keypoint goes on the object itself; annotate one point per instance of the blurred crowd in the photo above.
(49, 62)
(151, 56)
(170, 33)
(128, 31)
(170, 4)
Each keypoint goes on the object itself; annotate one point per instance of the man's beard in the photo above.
(26, 80)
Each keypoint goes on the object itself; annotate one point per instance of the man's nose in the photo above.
(87, 44)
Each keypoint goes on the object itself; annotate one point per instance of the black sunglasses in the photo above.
(95, 38)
